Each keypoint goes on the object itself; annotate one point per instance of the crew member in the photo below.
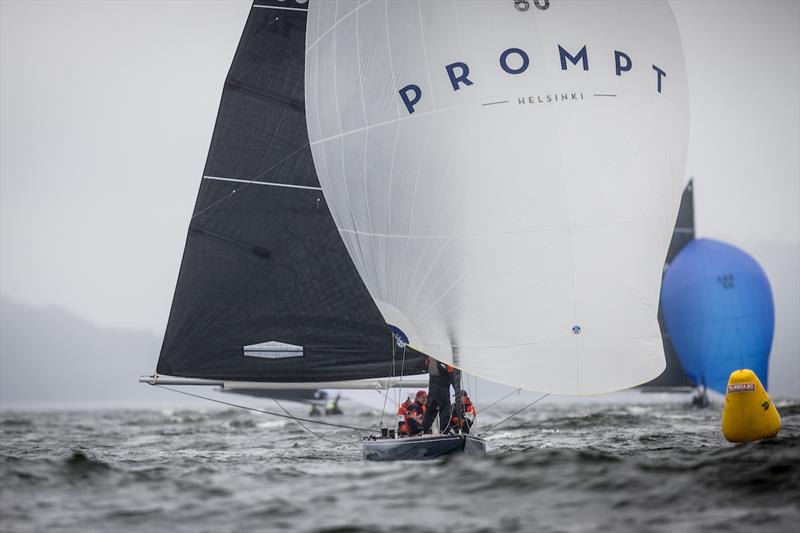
(415, 413)
(402, 429)
(440, 377)
(463, 423)
(332, 407)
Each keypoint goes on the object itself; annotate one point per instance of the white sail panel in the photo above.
(506, 181)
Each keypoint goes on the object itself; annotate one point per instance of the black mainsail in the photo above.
(267, 290)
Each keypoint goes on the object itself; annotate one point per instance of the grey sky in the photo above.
(107, 110)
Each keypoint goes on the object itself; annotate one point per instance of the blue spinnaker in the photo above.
(718, 306)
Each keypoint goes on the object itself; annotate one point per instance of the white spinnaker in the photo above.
(521, 242)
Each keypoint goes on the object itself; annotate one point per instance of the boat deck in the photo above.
(422, 447)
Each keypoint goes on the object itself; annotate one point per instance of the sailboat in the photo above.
(718, 306)
(312, 397)
(493, 184)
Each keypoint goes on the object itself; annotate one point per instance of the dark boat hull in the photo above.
(422, 448)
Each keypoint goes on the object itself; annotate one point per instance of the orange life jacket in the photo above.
(468, 416)
(415, 411)
(401, 417)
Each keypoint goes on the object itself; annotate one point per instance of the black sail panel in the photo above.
(267, 290)
(682, 234)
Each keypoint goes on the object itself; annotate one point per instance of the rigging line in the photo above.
(402, 372)
(398, 391)
(453, 408)
(254, 180)
(321, 423)
(475, 392)
(496, 401)
(449, 417)
(388, 383)
(339, 21)
(542, 397)
(307, 428)
(477, 399)
(452, 405)
(382, 394)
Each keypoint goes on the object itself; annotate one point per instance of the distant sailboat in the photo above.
(718, 327)
(718, 307)
(293, 395)
(306, 396)
(500, 187)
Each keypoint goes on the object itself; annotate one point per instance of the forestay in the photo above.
(506, 181)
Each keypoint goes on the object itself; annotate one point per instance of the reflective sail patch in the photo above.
(273, 350)
(741, 387)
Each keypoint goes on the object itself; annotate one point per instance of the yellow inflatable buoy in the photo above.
(748, 414)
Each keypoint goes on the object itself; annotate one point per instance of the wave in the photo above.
(615, 467)
(15, 422)
(79, 463)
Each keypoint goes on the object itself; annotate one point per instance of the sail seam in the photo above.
(336, 24)
(348, 198)
(443, 294)
(366, 142)
(388, 289)
(422, 283)
(269, 183)
(414, 200)
(418, 114)
(464, 236)
(281, 8)
(248, 183)
(532, 343)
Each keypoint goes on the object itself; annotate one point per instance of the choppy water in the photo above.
(558, 467)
